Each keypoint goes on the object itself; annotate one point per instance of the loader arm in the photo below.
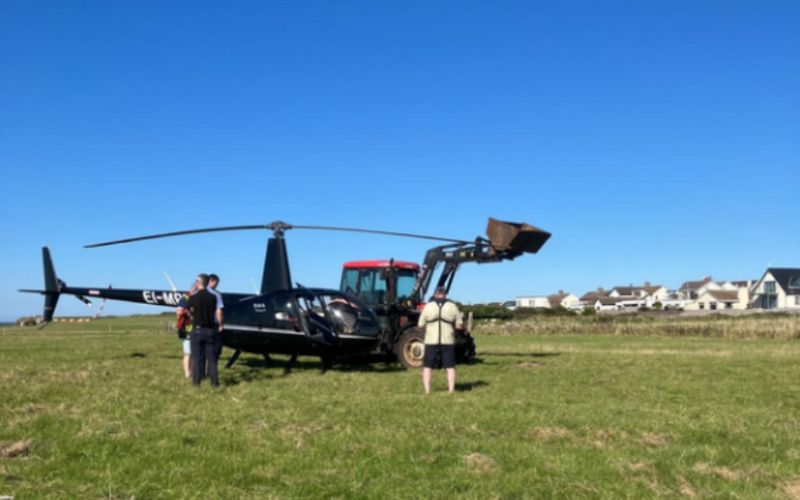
(506, 241)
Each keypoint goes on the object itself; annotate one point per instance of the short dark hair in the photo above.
(203, 277)
(213, 277)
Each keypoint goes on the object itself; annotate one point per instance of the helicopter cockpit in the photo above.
(346, 314)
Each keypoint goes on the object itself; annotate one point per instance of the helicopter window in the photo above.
(311, 304)
(285, 315)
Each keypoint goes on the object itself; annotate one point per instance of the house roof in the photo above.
(652, 288)
(787, 278)
(627, 290)
(742, 283)
(694, 285)
(609, 301)
(592, 295)
(724, 295)
(556, 298)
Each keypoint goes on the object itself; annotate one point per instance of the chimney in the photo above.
(646, 283)
(561, 292)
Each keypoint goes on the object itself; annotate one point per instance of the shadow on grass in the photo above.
(256, 368)
(469, 386)
(523, 354)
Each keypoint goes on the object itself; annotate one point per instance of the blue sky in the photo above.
(656, 140)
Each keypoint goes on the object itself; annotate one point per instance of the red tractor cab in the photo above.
(380, 282)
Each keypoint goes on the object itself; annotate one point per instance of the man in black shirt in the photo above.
(207, 321)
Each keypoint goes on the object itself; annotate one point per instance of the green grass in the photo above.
(108, 414)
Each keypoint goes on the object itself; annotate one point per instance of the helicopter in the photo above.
(326, 323)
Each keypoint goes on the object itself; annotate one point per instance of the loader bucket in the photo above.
(515, 237)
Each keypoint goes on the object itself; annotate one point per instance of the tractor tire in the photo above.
(410, 348)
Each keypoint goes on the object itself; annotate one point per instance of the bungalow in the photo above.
(566, 300)
(713, 300)
(628, 292)
(778, 288)
(691, 290)
(608, 303)
(588, 299)
(640, 296)
(655, 293)
(534, 301)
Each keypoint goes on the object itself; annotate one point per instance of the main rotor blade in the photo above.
(377, 231)
(275, 226)
(178, 233)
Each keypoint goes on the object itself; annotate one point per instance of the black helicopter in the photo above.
(330, 324)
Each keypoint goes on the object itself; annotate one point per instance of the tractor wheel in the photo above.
(410, 349)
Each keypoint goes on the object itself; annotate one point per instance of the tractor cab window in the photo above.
(372, 286)
(350, 281)
(406, 278)
(367, 283)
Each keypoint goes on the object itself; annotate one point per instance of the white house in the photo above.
(635, 297)
(628, 292)
(564, 299)
(707, 287)
(655, 293)
(608, 303)
(778, 288)
(534, 301)
(690, 290)
(715, 300)
(589, 299)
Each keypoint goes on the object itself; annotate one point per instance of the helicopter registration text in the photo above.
(162, 298)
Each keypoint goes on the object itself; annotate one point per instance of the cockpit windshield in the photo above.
(347, 313)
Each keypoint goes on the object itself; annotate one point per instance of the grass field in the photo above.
(102, 410)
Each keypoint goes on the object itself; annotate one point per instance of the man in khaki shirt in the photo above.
(441, 318)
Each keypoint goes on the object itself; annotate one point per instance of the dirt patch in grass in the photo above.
(652, 439)
(32, 408)
(723, 472)
(551, 433)
(639, 466)
(686, 488)
(792, 489)
(603, 438)
(15, 449)
(479, 463)
(298, 433)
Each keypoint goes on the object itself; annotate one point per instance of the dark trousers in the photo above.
(204, 350)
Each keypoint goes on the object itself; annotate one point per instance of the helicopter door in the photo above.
(315, 320)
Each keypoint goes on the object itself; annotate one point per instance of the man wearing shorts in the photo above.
(441, 318)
